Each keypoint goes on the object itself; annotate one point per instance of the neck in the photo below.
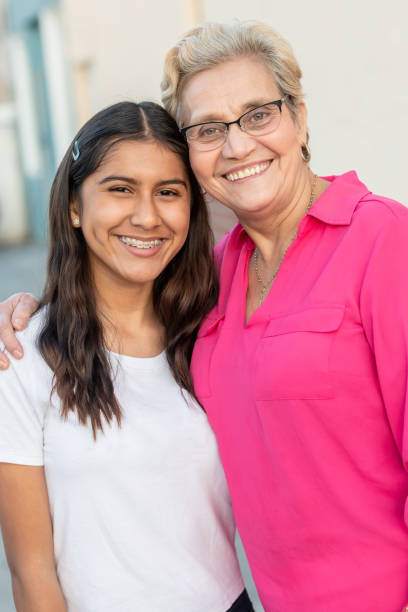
(276, 228)
(128, 318)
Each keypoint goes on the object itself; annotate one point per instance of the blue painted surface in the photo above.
(37, 188)
(25, 18)
(37, 192)
(20, 12)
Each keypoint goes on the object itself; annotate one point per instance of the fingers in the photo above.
(4, 362)
(24, 307)
(14, 314)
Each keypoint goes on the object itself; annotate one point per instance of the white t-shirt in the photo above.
(142, 517)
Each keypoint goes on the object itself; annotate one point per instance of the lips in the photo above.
(247, 171)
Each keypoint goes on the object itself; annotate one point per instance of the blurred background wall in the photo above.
(62, 60)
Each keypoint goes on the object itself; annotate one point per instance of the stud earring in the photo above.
(76, 222)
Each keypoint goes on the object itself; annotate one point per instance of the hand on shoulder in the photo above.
(15, 313)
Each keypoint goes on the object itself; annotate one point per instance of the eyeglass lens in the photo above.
(258, 121)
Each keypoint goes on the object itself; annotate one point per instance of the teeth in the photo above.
(250, 171)
(140, 244)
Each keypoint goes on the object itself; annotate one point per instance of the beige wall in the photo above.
(116, 49)
(353, 55)
(4, 77)
(13, 222)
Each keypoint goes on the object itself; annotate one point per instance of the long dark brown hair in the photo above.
(72, 338)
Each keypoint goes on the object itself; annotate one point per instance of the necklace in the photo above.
(265, 284)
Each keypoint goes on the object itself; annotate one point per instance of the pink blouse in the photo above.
(309, 402)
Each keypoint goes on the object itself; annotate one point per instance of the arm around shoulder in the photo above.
(15, 313)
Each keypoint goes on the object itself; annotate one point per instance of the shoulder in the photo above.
(31, 369)
(28, 336)
(230, 245)
(379, 239)
(348, 203)
(376, 217)
(220, 248)
(382, 208)
(24, 399)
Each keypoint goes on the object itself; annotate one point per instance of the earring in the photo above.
(305, 152)
(76, 222)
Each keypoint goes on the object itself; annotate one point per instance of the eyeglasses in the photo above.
(258, 121)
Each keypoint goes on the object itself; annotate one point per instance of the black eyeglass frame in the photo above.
(227, 124)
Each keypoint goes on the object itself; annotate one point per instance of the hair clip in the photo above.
(75, 152)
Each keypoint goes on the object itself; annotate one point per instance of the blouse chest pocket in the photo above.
(203, 351)
(293, 359)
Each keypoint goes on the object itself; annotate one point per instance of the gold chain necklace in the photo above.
(265, 285)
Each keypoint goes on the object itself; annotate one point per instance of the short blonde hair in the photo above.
(211, 44)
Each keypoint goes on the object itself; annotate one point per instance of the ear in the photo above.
(74, 213)
(301, 121)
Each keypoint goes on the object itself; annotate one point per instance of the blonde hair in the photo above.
(211, 44)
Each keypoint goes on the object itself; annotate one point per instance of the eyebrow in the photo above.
(209, 118)
(132, 181)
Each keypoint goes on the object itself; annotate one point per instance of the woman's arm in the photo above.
(27, 534)
(384, 315)
(15, 313)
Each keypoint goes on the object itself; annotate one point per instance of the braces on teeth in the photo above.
(139, 243)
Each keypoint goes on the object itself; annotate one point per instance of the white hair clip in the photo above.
(75, 152)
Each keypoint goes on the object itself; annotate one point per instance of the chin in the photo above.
(250, 206)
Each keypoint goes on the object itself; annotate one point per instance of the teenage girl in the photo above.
(112, 495)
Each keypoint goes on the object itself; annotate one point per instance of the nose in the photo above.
(238, 143)
(145, 213)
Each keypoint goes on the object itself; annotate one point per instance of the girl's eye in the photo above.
(120, 189)
(168, 192)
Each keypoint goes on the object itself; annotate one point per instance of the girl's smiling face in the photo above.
(134, 212)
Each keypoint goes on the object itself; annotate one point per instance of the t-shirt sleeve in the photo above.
(384, 312)
(22, 410)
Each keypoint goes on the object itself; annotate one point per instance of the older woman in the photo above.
(302, 365)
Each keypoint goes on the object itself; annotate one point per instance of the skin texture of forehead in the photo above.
(114, 145)
(253, 80)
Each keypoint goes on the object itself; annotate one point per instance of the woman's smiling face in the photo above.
(274, 160)
(134, 212)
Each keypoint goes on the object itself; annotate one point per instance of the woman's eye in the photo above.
(209, 131)
(259, 116)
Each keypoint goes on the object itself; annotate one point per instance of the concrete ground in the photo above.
(23, 269)
(6, 599)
